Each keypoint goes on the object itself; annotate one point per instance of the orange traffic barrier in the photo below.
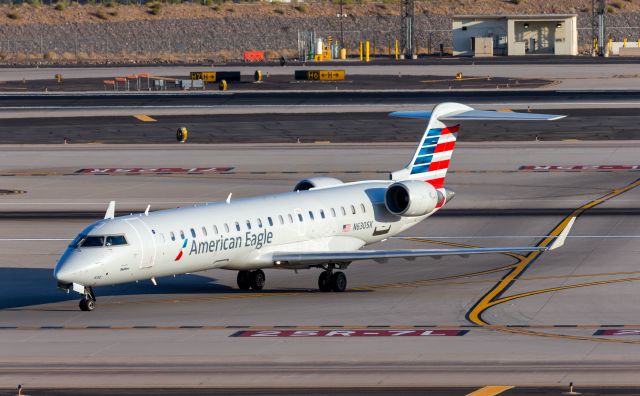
(252, 56)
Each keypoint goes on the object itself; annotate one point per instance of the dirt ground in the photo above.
(69, 12)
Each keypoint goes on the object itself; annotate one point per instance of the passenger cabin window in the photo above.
(300, 217)
(270, 221)
(181, 234)
(353, 209)
(322, 213)
(290, 218)
(173, 236)
(333, 212)
(248, 225)
(344, 212)
(204, 230)
(115, 240)
(193, 233)
(259, 223)
(93, 241)
(363, 208)
(281, 219)
(226, 227)
(215, 229)
(237, 226)
(311, 215)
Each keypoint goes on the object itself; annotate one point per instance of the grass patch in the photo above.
(13, 14)
(302, 8)
(154, 8)
(60, 6)
(100, 14)
(279, 11)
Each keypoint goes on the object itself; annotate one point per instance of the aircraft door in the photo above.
(147, 242)
(161, 248)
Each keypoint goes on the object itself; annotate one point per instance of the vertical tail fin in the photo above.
(431, 160)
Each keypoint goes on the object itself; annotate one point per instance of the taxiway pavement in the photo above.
(144, 126)
(567, 315)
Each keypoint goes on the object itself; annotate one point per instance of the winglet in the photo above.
(111, 210)
(559, 241)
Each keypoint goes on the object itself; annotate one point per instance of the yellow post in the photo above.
(366, 51)
(595, 45)
(397, 55)
(610, 45)
(360, 50)
(624, 43)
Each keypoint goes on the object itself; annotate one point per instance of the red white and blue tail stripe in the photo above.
(432, 157)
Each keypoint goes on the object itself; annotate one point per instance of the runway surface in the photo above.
(565, 316)
(366, 127)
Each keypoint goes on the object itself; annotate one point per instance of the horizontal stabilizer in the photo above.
(480, 115)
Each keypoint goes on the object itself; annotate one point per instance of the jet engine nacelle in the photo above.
(315, 182)
(411, 198)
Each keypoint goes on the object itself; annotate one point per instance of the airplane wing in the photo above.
(297, 259)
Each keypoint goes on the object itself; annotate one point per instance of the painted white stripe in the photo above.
(33, 239)
(434, 174)
(511, 236)
(445, 155)
(447, 138)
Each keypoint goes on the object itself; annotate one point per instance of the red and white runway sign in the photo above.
(152, 170)
(617, 332)
(350, 333)
(577, 168)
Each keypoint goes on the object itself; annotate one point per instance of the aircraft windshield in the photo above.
(98, 241)
(93, 241)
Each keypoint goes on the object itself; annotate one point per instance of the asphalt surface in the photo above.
(449, 391)
(287, 83)
(565, 316)
(333, 98)
(366, 127)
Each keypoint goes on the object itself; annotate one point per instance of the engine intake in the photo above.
(411, 198)
(315, 182)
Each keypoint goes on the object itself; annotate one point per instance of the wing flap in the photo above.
(313, 258)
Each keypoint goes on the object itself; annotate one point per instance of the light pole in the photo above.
(342, 15)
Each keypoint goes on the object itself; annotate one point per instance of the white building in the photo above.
(552, 34)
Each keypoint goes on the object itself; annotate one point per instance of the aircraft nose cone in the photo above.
(67, 269)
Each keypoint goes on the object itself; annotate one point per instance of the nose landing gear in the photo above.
(88, 301)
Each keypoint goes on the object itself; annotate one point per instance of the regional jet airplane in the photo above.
(322, 224)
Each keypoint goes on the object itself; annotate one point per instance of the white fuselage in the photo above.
(239, 235)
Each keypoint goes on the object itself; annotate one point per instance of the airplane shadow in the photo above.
(22, 287)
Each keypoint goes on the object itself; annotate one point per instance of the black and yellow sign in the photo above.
(204, 76)
(320, 75)
(211, 77)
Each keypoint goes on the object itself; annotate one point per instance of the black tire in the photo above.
(244, 280)
(257, 280)
(338, 282)
(87, 304)
(324, 281)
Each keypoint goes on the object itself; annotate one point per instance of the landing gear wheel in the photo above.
(87, 304)
(257, 280)
(324, 281)
(244, 280)
(338, 282)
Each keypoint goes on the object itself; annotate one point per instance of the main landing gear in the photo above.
(88, 301)
(332, 281)
(251, 280)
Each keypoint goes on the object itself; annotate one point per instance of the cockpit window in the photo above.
(114, 240)
(93, 241)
